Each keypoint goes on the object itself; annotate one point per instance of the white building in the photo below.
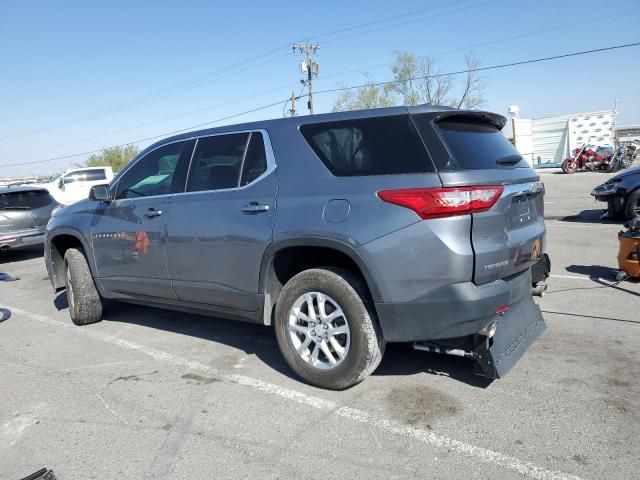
(546, 142)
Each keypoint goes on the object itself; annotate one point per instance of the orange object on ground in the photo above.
(629, 252)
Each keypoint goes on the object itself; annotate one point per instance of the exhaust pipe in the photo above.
(539, 290)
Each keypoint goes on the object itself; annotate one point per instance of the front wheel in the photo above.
(327, 329)
(569, 166)
(85, 303)
(632, 208)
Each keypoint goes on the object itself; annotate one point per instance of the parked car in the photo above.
(622, 194)
(345, 231)
(74, 185)
(24, 213)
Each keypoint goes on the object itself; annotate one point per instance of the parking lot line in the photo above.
(422, 435)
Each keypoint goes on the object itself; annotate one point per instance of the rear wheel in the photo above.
(632, 208)
(569, 166)
(85, 303)
(326, 328)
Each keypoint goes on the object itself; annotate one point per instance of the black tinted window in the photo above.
(25, 200)
(216, 163)
(255, 162)
(369, 146)
(155, 173)
(478, 146)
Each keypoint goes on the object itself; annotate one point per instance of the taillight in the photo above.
(444, 202)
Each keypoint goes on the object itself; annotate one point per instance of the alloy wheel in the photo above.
(319, 330)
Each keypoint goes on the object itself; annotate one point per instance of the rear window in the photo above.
(478, 146)
(25, 200)
(369, 146)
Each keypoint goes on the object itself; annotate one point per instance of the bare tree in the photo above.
(369, 96)
(473, 86)
(417, 81)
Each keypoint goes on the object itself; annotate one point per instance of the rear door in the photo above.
(219, 229)
(471, 151)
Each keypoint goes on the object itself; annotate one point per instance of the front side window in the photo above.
(369, 146)
(156, 173)
(227, 161)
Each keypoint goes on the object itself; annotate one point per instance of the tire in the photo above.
(568, 166)
(361, 349)
(85, 303)
(632, 206)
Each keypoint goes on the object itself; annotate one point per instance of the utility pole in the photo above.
(292, 110)
(309, 67)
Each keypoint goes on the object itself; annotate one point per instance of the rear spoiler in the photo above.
(494, 119)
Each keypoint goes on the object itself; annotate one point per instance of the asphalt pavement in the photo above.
(149, 393)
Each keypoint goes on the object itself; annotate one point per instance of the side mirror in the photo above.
(61, 183)
(99, 193)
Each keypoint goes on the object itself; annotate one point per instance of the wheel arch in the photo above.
(58, 242)
(326, 252)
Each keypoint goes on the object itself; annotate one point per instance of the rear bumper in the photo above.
(454, 311)
(22, 238)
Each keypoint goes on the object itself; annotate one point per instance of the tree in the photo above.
(416, 81)
(369, 96)
(114, 157)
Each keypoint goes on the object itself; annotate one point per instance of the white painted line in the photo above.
(548, 223)
(584, 277)
(573, 277)
(425, 436)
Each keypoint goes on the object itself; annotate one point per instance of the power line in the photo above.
(492, 67)
(200, 80)
(140, 140)
(480, 69)
(491, 42)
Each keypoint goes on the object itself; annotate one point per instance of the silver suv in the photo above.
(344, 231)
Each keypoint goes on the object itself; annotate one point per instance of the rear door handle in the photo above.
(255, 207)
(152, 212)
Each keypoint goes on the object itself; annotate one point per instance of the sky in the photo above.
(78, 76)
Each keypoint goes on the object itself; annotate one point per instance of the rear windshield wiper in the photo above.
(509, 160)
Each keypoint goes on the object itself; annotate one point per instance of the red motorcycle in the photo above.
(587, 156)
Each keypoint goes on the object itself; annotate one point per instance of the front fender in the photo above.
(54, 260)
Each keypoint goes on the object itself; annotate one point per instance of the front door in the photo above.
(129, 233)
(220, 228)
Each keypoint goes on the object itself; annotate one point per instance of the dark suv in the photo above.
(345, 231)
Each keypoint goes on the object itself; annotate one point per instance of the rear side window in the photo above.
(25, 200)
(369, 146)
(478, 145)
(255, 162)
(227, 161)
(217, 161)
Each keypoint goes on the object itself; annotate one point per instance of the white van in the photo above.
(74, 185)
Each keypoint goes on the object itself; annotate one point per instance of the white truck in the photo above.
(74, 185)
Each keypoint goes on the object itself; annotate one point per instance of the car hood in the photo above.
(626, 173)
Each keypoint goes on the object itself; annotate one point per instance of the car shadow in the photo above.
(587, 216)
(27, 253)
(594, 272)
(399, 359)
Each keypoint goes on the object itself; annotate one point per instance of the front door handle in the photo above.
(152, 212)
(255, 207)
